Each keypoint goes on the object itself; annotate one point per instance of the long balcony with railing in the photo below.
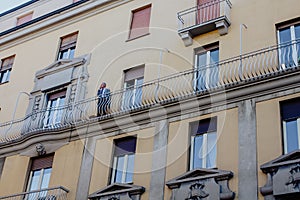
(203, 18)
(245, 69)
(55, 193)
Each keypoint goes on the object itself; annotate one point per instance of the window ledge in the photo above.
(130, 39)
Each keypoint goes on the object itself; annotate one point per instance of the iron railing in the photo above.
(56, 193)
(204, 13)
(256, 65)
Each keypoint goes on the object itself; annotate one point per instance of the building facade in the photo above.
(202, 100)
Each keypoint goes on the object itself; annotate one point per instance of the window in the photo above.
(123, 162)
(54, 112)
(67, 46)
(289, 45)
(207, 70)
(133, 82)
(140, 22)
(39, 178)
(290, 116)
(6, 66)
(203, 144)
(25, 18)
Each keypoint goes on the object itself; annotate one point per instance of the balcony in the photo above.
(214, 15)
(56, 193)
(278, 63)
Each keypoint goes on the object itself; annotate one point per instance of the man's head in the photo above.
(103, 85)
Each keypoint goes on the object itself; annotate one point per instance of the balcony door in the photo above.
(289, 45)
(207, 10)
(54, 112)
(134, 79)
(206, 68)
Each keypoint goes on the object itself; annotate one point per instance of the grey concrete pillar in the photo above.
(86, 169)
(247, 171)
(159, 160)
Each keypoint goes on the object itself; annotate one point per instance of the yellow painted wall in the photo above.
(142, 163)
(14, 175)
(66, 167)
(112, 53)
(269, 134)
(227, 146)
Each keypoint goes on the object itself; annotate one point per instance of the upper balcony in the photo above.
(255, 73)
(214, 15)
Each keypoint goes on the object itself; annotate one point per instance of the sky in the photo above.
(8, 4)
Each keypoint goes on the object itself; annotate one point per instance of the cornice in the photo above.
(174, 110)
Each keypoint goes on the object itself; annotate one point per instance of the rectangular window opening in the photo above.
(140, 22)
(123, 160)
(203, 150)
(5, 69)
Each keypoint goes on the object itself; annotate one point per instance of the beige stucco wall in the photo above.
(142, 162)
(65, 170)
(269, 133)
(227, 146)
(14, 175)
(66, 167)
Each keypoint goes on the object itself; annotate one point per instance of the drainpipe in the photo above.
(159, 70)
(14, 113)
(241, 49)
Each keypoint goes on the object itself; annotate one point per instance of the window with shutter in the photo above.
(134, 79)
(290, 117)
(40, 172)
(67, 46)
(140, 22)
(203, 144)
(123, 162)
(6, 67)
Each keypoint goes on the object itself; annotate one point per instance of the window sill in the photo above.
(4, 82)
(130, 39)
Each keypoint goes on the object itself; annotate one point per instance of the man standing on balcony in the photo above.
(103, 100)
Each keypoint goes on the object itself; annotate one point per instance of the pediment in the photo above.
(59, 65)
(118, 188)
(290, 158)
(199, 174)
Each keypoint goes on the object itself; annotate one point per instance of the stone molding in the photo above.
(210, 184)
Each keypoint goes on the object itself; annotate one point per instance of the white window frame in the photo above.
(207, 64)
(56, 112)
(293, 43)
(285, 135)
(68, 53)
(124, 170)
(204, 149)
(134, 93)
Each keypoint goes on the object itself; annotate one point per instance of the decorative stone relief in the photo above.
(40, 149)
(202, 184)
(197, 192)
(283, 177)
(36, 106)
